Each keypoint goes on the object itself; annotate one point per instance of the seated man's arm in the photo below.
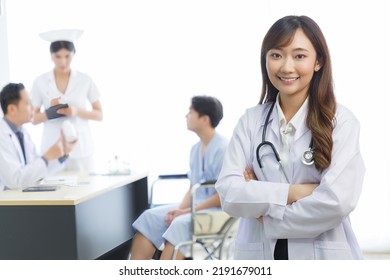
(212, 201)
(186, 202)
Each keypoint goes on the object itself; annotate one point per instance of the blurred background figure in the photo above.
(76, 92)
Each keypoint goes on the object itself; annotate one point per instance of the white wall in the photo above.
(149, 57)
(4, 73)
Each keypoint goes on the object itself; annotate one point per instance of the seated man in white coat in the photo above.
(20, 165)
(170, 224)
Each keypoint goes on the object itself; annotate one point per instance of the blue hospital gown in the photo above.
(152, 221)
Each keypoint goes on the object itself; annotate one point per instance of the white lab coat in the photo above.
(81, 91)
(317, 226)
(14, 173)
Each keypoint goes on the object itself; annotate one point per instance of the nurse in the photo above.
(67, 86)
(298, 208)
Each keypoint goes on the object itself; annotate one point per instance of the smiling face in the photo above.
(291, 68)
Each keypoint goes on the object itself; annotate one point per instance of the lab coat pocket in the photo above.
(249, 251)
(331, 250)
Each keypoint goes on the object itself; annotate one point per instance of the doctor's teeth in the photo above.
(288, 79)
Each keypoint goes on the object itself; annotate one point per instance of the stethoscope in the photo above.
(307, 157)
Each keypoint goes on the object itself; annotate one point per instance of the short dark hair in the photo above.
(209, 106)
(10, 94)
(57, 45)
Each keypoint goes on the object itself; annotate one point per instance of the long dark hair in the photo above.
(322, 101)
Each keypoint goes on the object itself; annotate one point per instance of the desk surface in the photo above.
(84, 221)
(87, 187)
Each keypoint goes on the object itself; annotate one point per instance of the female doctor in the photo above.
(65, 85)
(293, 170)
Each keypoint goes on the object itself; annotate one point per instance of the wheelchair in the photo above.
(213, 232)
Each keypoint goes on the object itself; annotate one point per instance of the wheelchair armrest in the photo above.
(196, 187)
(210, 182)
(173, 176)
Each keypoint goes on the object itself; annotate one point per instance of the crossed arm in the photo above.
(295, 191)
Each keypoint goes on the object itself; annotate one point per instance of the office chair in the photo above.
(213, 230)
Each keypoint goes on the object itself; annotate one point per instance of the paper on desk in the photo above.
(112, 173)
(70, 181)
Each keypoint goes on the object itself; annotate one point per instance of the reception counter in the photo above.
(82, 220)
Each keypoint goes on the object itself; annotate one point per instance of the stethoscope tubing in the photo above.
(307, 157)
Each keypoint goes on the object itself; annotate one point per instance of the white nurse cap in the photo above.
(62, 35)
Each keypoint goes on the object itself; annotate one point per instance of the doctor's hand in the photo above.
(299, 191)
(249, 174)
(171, 215)
(55, 151)
(71, 111)
(67, 146)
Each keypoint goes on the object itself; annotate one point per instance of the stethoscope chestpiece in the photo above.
(308, 157)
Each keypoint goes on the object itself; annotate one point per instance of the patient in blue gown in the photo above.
(170, 224)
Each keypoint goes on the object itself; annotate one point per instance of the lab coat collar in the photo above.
(298, 121)
(272, 125)
(13, 127)
(8, 130)
(275, 126)
(301, 130)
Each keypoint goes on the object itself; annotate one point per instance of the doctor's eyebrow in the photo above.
(301, 49)
(296, 49)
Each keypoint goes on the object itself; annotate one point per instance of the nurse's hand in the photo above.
(71, 111)
(55, 101)
(249, 174)
(175, 213)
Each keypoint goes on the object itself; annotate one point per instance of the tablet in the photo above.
(51, 112)
(41, 189)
